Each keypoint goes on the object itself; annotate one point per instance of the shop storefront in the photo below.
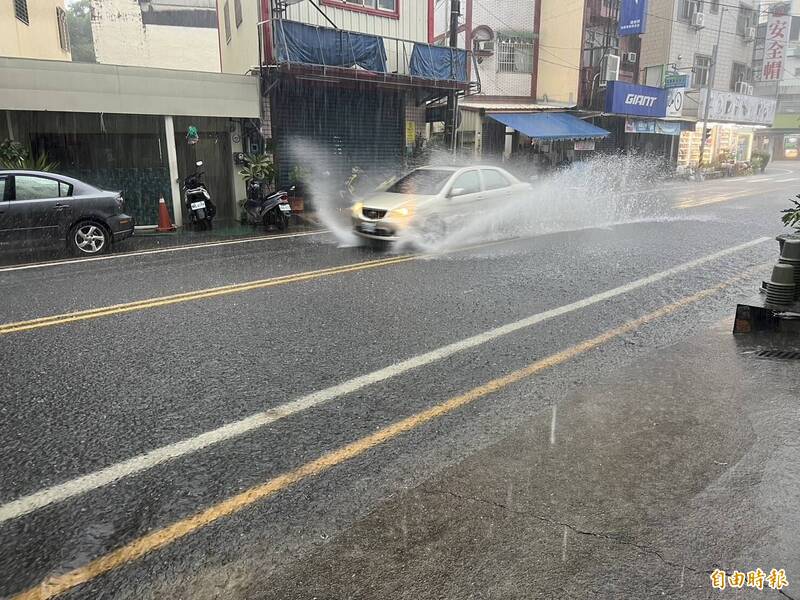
(725, 142)
(638, 113)
(125, 128)
(782, 140)
(734, 120)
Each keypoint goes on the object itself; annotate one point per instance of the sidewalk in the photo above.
(683, 462)
(145, 239)
(148, 239)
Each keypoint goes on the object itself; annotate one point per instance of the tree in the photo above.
(79, 22)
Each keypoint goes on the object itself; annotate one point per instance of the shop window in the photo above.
(745, 19)
(388, 8)
(21, 11)
(237, 12)
(687, 8)
(227, 16)
(63, 31)
(701, 69)
(739, 74)
(514, 54)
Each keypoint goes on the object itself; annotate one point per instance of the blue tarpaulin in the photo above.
(438, 62)
(550, 125)
(301, 43)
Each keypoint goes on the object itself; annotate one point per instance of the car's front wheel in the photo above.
(89, 239)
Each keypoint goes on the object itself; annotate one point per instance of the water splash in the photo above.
(600, 192)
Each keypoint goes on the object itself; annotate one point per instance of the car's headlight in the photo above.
(402, 212)
(356, 208)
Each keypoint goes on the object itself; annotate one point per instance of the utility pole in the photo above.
(450, 124)
(710, 84)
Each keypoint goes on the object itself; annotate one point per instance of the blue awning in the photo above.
(550, 125)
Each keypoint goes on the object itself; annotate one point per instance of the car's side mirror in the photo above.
(457, 192)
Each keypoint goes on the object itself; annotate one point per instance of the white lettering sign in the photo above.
(738, 108)
(640, 100)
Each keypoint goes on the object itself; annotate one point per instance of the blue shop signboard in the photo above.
(637, 100)
(632, 17)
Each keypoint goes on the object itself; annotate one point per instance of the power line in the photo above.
(683, 22)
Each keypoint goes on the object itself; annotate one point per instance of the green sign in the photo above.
(786, 121)
(676, 80)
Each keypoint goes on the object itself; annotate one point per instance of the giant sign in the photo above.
(637, 100)
(632, 17)
(738, 108)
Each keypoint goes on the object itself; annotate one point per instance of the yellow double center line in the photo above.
(160, 538)
(127, 307)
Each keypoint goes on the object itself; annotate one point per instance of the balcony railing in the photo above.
(314, 51)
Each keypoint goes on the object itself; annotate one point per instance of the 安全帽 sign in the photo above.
(638, 100)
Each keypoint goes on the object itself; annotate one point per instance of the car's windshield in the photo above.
(426, 182)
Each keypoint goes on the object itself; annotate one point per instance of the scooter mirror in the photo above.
(199, 163)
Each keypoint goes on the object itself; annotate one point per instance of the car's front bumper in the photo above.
(383, 229)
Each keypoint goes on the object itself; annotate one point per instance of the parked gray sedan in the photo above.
(40, 208)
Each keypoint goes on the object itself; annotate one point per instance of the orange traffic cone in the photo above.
(164, 224)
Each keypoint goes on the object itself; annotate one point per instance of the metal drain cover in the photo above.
(780, 354)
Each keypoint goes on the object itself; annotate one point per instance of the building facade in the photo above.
(681, 39)
(34, 29)
(782, 140)
(125, 128)
(528, 60)
(166, 34)
(344, 84)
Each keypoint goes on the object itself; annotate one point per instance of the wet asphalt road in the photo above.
(83, 395)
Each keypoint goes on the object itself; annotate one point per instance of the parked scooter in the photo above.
(198, 200)
(267, 208)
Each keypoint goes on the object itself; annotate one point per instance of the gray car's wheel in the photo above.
(88, 239)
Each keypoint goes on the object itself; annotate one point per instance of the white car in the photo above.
(429, 199)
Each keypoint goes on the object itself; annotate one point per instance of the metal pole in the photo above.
(452, 106)
(709, 85)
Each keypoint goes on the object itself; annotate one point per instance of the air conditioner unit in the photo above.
(750, 34)
(741, 87)
(609, 69)
(698, 20)
(486, 46)
(750, 89)
(630, 57)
